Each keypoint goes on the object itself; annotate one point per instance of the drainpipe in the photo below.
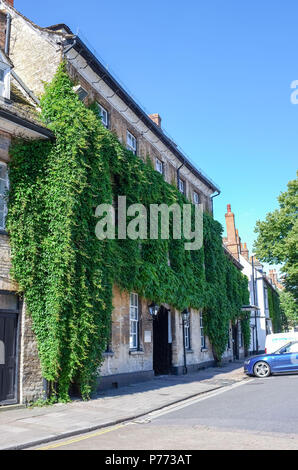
(178, 173)
(65, 51)
(212, 197)
(7, 36)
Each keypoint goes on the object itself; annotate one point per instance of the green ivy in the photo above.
(67, 274)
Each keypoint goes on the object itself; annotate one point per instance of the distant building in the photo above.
(259, 283)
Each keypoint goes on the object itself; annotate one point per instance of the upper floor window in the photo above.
(159, 166)
(181, 186)
(4, 80)
(104, 115)
(3, 194)
(131, 142)
(196, 198)
(134, 321)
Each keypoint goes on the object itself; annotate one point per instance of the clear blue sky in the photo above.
(219, 74)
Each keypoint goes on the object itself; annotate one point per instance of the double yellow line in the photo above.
(83, 438)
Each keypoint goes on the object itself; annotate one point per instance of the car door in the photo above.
(285, 359)
(293, 350)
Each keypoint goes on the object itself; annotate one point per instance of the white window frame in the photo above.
(134, 321)
(104, 115)
(182, 186)
(196, 198)
(5, 184)
(187, 335)
(202, 333)
(5, 83)
(131, 142)
(159, 166)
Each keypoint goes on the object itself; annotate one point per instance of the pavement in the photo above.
(29, 427)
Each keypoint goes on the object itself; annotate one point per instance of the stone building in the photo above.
(20, 375)
(140, 346)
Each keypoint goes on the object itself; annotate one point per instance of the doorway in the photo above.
(235, 341)
(162, 345)
(8, 348)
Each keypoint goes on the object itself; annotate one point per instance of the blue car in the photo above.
(284, 359)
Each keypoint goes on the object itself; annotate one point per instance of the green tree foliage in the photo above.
(279, 322)
(277, 240)
(289, 308)
(67, 274)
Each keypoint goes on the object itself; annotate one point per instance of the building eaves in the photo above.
(232, 258)
(12, 114)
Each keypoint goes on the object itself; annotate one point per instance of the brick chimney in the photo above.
(10, 2)
(232, 239)
(244, 251)
(156, 119)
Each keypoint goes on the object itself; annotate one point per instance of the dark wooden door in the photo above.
(235, 342)
(8, 335)
(162, 349)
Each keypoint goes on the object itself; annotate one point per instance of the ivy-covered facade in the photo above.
(89, 299)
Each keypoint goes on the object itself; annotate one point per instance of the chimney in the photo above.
(10, 2)
(156, 119)
(244, 251)
(232, 235)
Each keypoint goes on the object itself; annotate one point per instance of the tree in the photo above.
(277, 241)
(289, 307)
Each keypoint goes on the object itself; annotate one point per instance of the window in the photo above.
(104, 115)
(196, 198)
(181, 186)
(187, 334)
(3, 194)
(131, 142)
(4, 80)
(134, 321)
(159, 166)
(203, 337)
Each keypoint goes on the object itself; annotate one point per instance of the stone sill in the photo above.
(204, 350)
(136, 352)
(189, 351)
(3, 232)
(108, 354)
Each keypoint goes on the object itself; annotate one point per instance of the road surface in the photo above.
(255, 414)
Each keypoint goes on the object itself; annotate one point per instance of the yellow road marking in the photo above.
(83, 438)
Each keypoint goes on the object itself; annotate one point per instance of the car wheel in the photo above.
(262, 369)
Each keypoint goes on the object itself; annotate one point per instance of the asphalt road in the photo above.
(257, 414)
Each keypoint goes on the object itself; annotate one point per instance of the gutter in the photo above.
(27, 124)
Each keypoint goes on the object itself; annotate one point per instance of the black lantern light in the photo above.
(153, 309)
(185, 315)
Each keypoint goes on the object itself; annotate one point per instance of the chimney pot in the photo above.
(229, 207)
(156, 119)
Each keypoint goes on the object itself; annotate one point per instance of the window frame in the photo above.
(102, 110)
(128, 146)
(134, 342)
(202, 332)
(187, 338)
(5, 84)
(3, 195)
(159, 161)
(195, 194)
(180, 180)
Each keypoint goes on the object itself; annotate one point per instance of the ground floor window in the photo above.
(134, 321)
(187, 334)
(203, 337)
